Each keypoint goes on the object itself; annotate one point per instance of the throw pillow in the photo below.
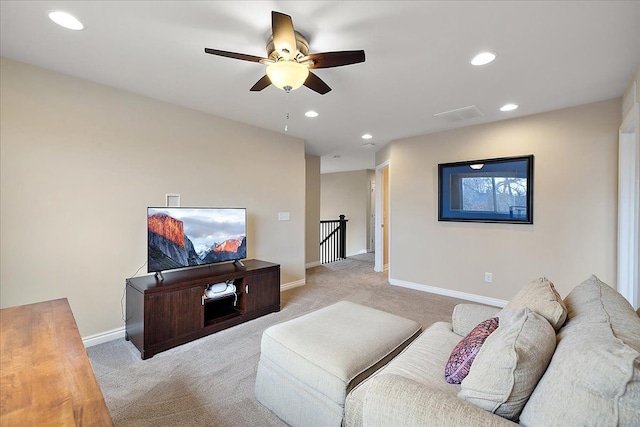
(510, 364)
(541, 296)
(465, 351)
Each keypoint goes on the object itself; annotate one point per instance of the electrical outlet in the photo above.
(488, 277)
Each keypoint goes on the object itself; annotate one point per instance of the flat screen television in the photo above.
(184, 237)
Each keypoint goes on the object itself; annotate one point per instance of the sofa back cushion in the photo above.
(465, 317)
(594, 375)
(541, 296)
(510, 364)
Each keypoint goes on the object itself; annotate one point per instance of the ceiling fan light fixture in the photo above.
(287, 75)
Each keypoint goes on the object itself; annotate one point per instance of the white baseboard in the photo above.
(291, 285)
(103, 337)
(449, 293)
(312, 264)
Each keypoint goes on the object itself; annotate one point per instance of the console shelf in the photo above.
(162, 314)
(220, 309)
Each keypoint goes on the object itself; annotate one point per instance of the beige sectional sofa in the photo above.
(551, 362)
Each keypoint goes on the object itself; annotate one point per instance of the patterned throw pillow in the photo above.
(465, 351)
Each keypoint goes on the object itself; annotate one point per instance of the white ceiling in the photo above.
(550, 55)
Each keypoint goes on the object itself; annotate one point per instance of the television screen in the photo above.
(183, 237)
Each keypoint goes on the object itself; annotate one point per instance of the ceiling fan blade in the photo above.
(336, 59)
(315, 83)
(234, 55)
(261, 84)
(284, 36)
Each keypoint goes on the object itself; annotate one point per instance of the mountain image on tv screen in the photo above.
(183, 237)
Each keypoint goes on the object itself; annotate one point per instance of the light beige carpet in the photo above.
(209, 382)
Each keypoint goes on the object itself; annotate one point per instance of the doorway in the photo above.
(382, 218)
(372, 215)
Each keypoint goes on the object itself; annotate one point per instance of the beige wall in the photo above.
(383, 154)
(81, 162)
(371, 204)
(636, 78)
(347, 193)
(575, 205)
(631, 94)
(312, 209)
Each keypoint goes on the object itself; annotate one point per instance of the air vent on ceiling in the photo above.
(464, 113)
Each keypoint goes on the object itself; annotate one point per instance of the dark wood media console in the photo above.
(162, 314)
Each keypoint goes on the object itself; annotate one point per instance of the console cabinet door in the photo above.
(262, 290)
(172, 314)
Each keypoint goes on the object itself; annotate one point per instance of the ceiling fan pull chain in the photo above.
(286, 121)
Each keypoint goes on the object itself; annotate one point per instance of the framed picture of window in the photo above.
(487, 190)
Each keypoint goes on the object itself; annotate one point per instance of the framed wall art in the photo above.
(487, 190)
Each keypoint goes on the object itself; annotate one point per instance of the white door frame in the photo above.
(379, 254)
(372, 216)
(628, 206)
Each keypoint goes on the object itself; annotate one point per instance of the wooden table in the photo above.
(46, 378)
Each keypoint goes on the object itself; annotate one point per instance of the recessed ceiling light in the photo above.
(367, 136)
(483, 58)
(66, 20)
(311, 114)
(508, 107)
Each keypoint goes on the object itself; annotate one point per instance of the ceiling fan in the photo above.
(288, 60)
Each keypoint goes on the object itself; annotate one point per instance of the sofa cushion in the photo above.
(510, 363)
(594, 375)
(423, 361)
(541, 296)
(465, 316)
(394, 400)
(465, 351)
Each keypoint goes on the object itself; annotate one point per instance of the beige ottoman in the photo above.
(308, 365)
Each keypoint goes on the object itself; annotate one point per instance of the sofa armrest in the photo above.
(399, 401)
(467, 316)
